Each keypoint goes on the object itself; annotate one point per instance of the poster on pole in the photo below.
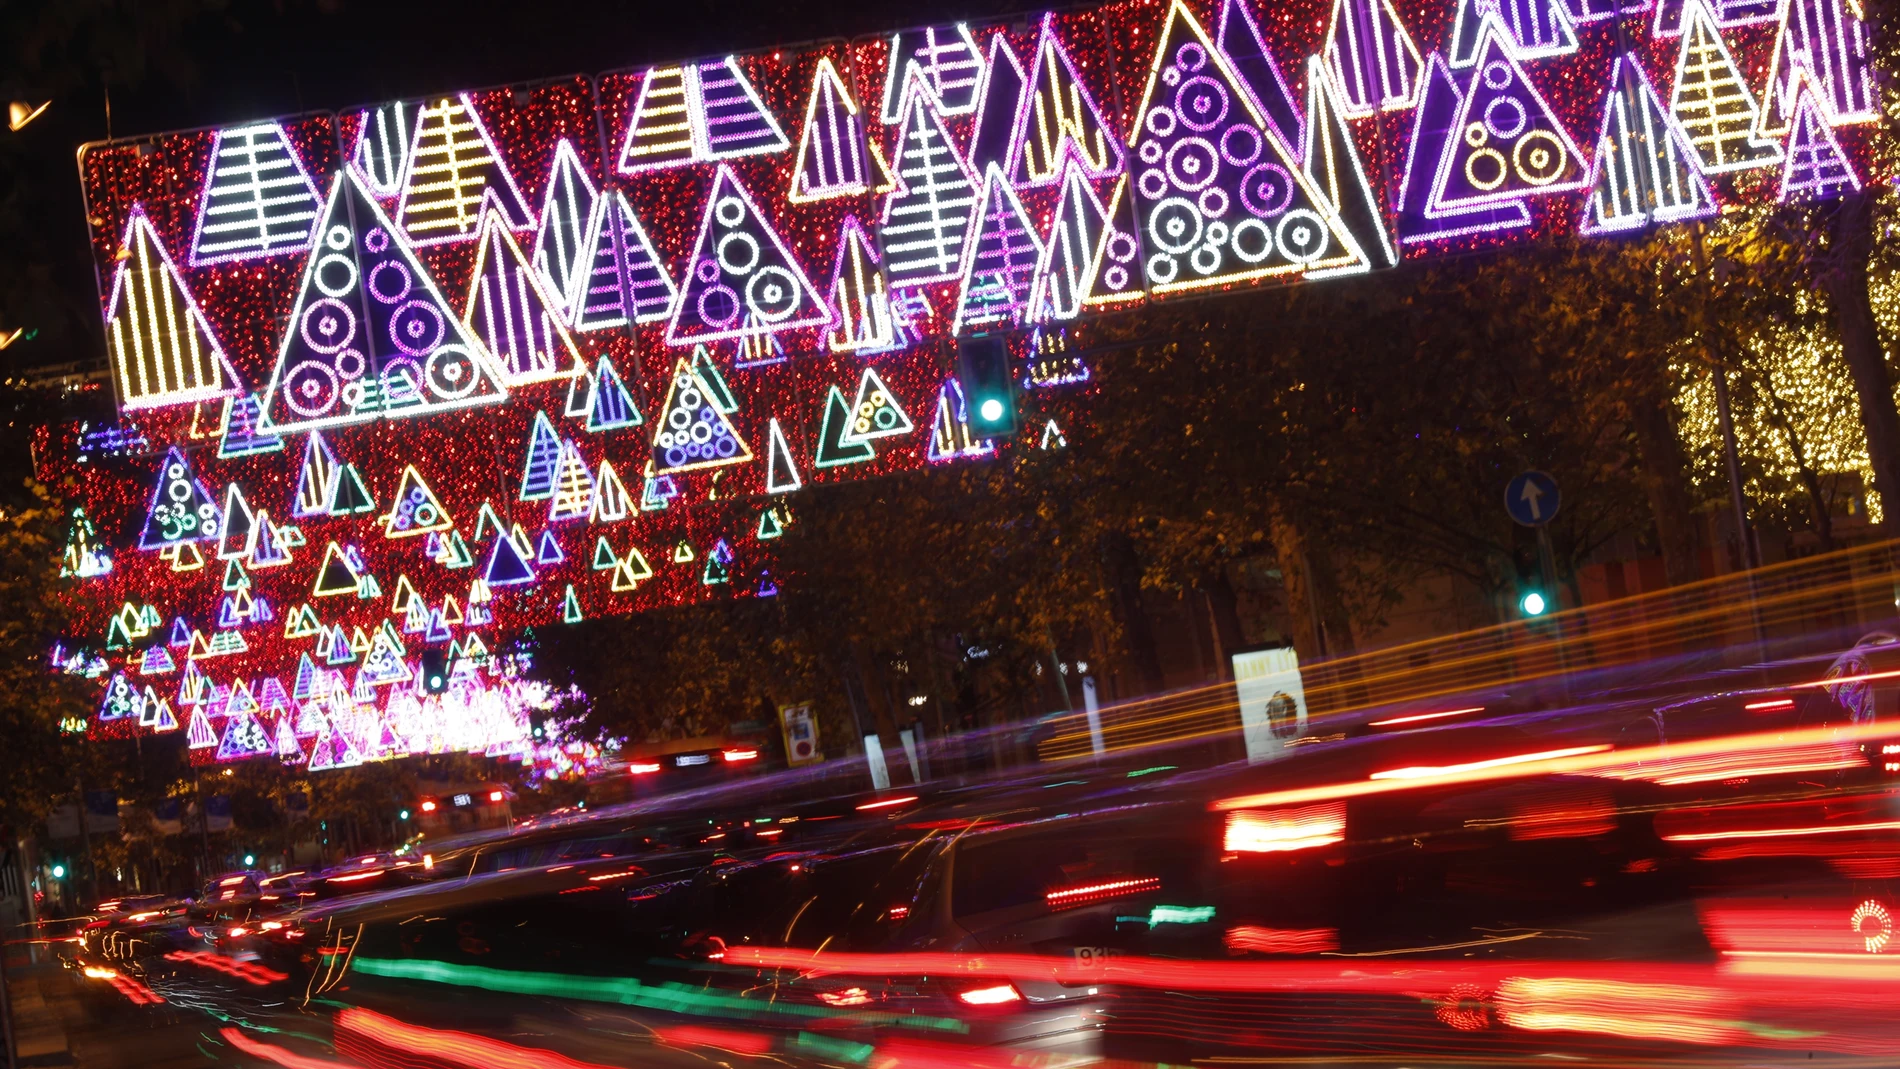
(1272, 700)
(801, 734)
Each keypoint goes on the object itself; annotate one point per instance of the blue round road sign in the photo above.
(1532, 498)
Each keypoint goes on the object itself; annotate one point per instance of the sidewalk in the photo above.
(38, 1029)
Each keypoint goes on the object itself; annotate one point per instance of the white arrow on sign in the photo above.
(1531, 495)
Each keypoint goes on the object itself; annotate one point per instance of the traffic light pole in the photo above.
(1547, 579)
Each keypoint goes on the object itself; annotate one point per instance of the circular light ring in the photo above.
(380, 284)
(417, 327)
(1190, 57)
(350, 364)
(1152, 184)
(337, 237)
(1266, 190)
(1493, 158)
(1241, 144)
(1302, 236)
(1251, 232)
(1205, 260)
(738, 252)
(1150, 151)
(1213, 202)
(1497, 74)
(1201, 102)
(1160, 122)
(377, 240)
(772, 293)
(328, 267)
(730, 211)
(1540, 157)
(1882, 933)
(452, 373)
(1193, 164)
(1175, 225)
(1162, 268)
(328, 325)
(1505, 118)
(310, 389)
(718, 306)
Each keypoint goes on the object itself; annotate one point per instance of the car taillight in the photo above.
(994, 995)
(1274, 831)
(1085, 893)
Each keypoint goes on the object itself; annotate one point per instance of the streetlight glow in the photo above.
(19, 113)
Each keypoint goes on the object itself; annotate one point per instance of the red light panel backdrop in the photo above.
(423, 374)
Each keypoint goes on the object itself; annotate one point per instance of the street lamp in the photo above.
(19, 113)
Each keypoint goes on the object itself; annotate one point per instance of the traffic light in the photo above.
(989, 387)
(1531, 599)
(435, 670)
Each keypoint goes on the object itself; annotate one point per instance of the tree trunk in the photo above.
(1810, 479)
(1665, 481)
(1223, 609)
(1860, 344)
(1321, 626)
(1138, 637)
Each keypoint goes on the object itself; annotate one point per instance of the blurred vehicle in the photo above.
(444, 809)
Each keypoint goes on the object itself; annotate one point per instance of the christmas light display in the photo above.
(1239, 40)
(860, 295)
(1000, 262)
(1712, 101)
(927, 216)
(945, 58)
(257, 201)
(620, 279)
(1056, 118)
(1064, 272)
(1645, 169)
(1816, 167)
(452, 171)
(831, 154)
(435, 374)
(1825, 39)
(513, 314)
(162, 348)
(1370, 54)
(1510, 144)
(381, 155)
(741, 279)
(567, 209)
(999, 97)
(1224, 202)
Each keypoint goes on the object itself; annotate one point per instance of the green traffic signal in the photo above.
(988, 381)
(1532, 603)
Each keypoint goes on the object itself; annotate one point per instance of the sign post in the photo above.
(1532, 499)
(1272, 700)
(801, 734)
